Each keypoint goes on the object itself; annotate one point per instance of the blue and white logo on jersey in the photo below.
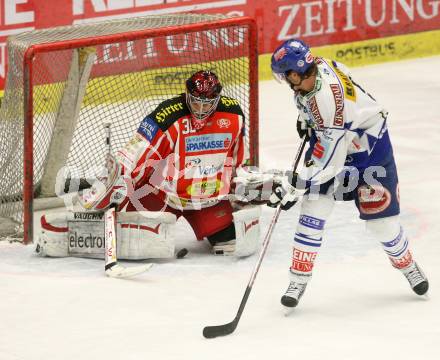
(148, 129)
(208, 142)
(201, 166)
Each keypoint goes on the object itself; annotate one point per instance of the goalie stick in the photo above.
(210, 332)
(112, 267)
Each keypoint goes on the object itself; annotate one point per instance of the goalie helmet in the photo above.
(292, 55)
(202, 96)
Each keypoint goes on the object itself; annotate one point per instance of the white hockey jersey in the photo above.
(349, 126)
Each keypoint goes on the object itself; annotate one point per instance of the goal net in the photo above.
(63, 84)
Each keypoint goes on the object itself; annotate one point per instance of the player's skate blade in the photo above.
(416, 278)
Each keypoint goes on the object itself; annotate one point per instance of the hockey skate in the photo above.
(416, 278)
(226, 248)
(293, 293)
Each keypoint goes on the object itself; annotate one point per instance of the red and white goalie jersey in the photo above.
(185, 168)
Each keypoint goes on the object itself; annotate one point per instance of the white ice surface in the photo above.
(356, 307)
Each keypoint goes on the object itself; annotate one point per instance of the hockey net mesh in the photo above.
(127, 81)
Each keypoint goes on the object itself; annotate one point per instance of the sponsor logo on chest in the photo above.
(192, 161)
(314, 110)
(204, 165)
(204, 188)
(223, 123)
(208, 142)
(339, 103)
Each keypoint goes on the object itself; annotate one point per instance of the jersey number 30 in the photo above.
(187, 127)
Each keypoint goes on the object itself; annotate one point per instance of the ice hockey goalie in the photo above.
(179, 163)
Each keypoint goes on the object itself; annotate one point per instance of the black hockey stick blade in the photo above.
(211, 332)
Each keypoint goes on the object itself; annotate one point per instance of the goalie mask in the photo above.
(202, 96)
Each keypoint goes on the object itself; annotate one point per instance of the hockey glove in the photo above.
(251, 186)
(109, 188)
(284, 193)
(303, 129)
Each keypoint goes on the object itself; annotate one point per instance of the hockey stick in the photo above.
(112, 267)
(210, 332)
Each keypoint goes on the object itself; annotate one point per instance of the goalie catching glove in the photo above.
(284, 192)
(252, 186)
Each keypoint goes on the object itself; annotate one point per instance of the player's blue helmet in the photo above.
(291, 55)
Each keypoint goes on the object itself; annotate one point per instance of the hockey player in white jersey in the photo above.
(350, 158)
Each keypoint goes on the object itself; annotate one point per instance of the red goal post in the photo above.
(71, 80)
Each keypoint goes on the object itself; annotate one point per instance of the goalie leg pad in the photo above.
(241, 239)
(145, 235)
(247, 230)
(52, 240)
(140, 235)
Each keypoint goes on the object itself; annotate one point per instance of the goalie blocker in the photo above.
(141, 235)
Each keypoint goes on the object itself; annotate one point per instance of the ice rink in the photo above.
(356, 306)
